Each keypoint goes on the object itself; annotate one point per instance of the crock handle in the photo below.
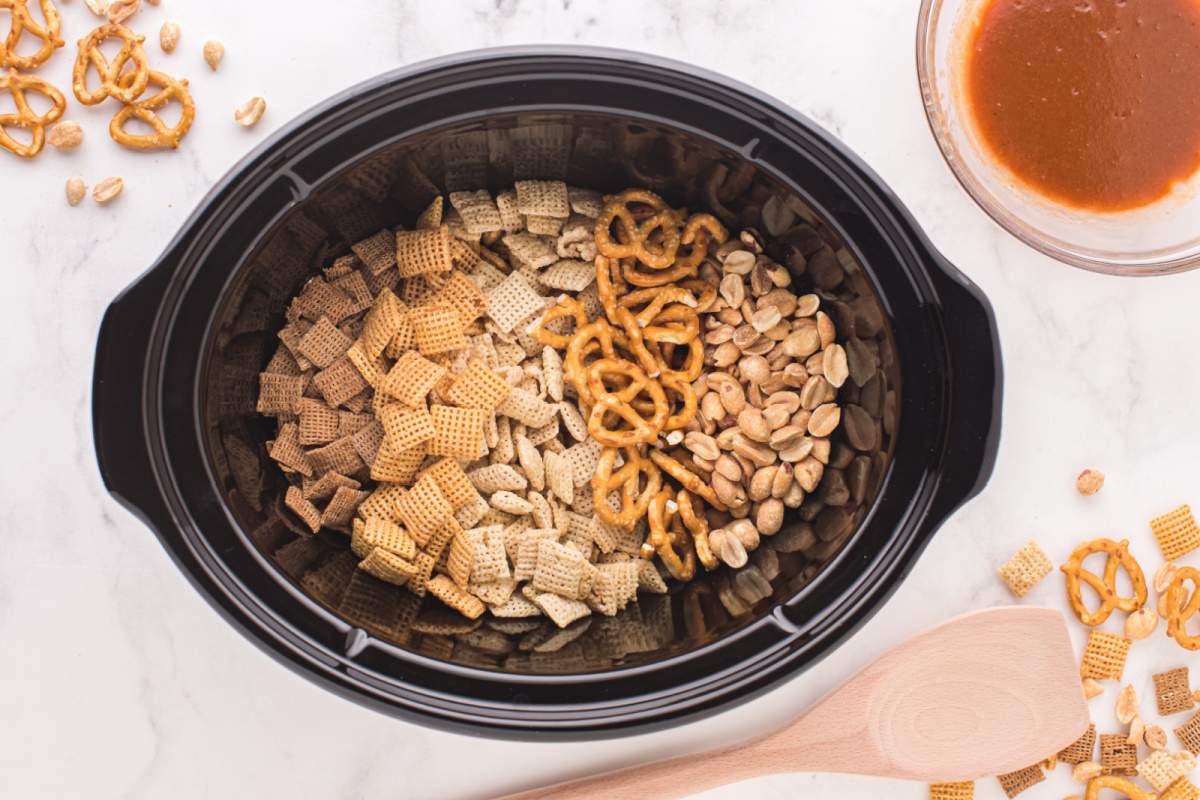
(976, 379)
(118, 415)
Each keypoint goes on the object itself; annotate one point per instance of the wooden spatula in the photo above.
(987, 693)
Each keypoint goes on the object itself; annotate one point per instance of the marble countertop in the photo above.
(118, 680)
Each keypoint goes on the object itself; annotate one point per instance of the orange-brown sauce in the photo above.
(1092, 103)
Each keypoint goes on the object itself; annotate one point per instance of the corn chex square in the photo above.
(1176, 532)
(513, 300)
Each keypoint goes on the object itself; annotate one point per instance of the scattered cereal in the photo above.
(1027, 566)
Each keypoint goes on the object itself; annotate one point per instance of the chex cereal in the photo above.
(1117, 754)
(1027, 566)
(1104, 656)
(1081, 750)
(1013, 783)
(962, 790)
(1172, 691)
(1176, 532)
(1189, 734)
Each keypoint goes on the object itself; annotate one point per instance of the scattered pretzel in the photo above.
(1106, 587)
(1180, 606)
(667, 539)
(126, 87)
(17, 84)
(696, 235)
(146, 110)
(22, 21)
(1123, 785)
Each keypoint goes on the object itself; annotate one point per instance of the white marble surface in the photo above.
(117, 680)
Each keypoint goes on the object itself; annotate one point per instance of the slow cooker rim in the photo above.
(905, 558)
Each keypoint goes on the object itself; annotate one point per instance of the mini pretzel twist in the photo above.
(697, 524)
(146, 110)
(22, 22)
(1106, 587)
(627, 478)
(687, 479)
(17, 84)
(126, 87)
(597, 333)
(1123, 785)
(662, 277)
(1180, 606)
(636, 238)
(699, 231)
(566, 307)
(642, 430)
(667, 539)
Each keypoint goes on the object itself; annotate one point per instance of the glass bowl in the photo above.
(1156, 239)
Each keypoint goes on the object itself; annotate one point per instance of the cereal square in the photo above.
(478, 210)
(1116, 752)
(423, 251)
(411, 378)
(396, 467)
(1189, 734)
(1176, 532)
(1172, 692)
(339, 382)
(1104, 656)
(323, 343)
(962, 790)
(458, 432)
(302, 508)
(1013, 783)
(404, 428)
(513, 300)
(383, 321)
(1027, 566)
(450, 593)
(437, 329)
(1180, 789)
(464, 296)
(1082, 749)
(378, 252)
(1161, 769)
(423, 510)
(279, 394)
(388, 567)
(543, 198)
(382, 532)
(453, 482)
(478, 387)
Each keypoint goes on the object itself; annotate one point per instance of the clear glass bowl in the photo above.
(1157, 239)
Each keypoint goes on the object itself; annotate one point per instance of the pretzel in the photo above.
(1106, 587)
(688, 479)
(665, 536)
(597, 332)
(627, 478)
(643, 430)
(692, 366)
(698, 232)
(1179, 611)
(675, 274)
(656, 299)
(705, 293)
(675, 382)
(633, 235)
(605, 288)
(635, 344)
(697, 524)
(566, 307)
(145, 109)
(126, 87)
(1123, 785)
(16, 83)
(22, 20)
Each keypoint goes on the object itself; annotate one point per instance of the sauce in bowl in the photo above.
(1094, 104)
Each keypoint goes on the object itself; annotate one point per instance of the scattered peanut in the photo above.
(120, 10)
(1089, 482)
(1140, 623)
(1085, 771)
(250, 112)
(168, 36)
(1155, 737)
(107, 190)
(76, 190)
(214, 51)
(66, 135)
(1092, 688)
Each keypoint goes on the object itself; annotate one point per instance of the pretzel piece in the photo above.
(17, 84)
(1115, 782)
(688, 479)
(126, 87)
(1182, 606)
(643, 430)
(146, 109)
(22, 22)
(628, 478)
(1118, 556)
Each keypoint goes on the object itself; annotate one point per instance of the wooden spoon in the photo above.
(987, 693)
